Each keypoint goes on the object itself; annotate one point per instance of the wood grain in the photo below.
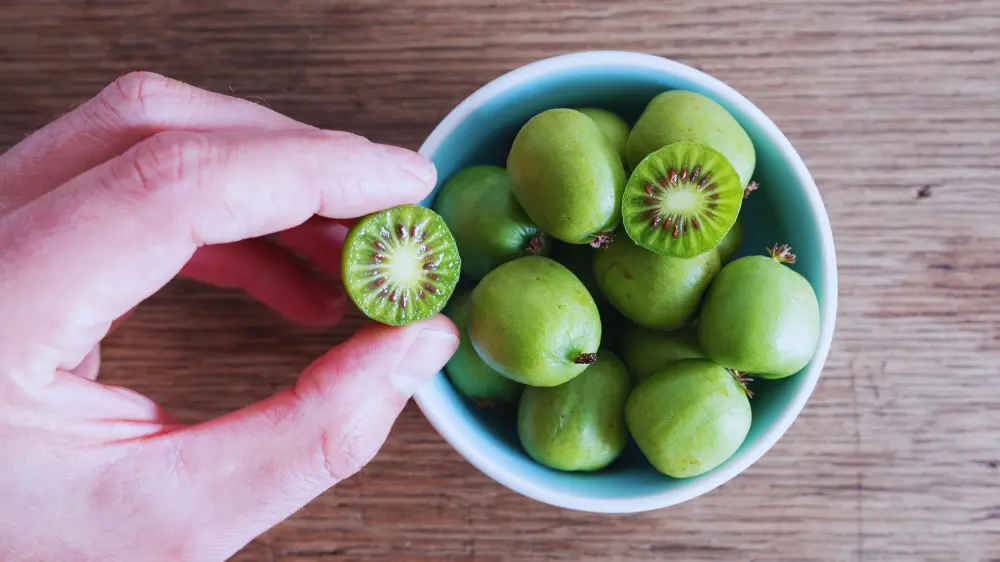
(895, 107)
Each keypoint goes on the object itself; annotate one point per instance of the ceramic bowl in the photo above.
(786, 209)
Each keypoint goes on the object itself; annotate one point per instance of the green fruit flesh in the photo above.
(731, 243)
(689, 417)
(681, 200)
(400, 265)
(647, 351)
(615, 128)
(566, 176)
(760, 317)
(532, 320)
(468, 373)
(654, 291)
(680, 115)
(488, 224)
(579, 425)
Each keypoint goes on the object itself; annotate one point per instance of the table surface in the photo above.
(893, 104)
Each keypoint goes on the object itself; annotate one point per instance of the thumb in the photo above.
(249, 470)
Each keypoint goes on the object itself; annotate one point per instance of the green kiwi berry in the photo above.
(533, 321)
(659, 292)
(467, 372)
(615, 128)
(647, 351)
(760, 316)
(579, 259)
(579, 425)
(732, 241)
(689, 417)
(400, 265)
(567, 177)
(681, 200)
(488, 224)
(681, 115)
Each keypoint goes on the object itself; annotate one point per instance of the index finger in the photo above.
(89, 251)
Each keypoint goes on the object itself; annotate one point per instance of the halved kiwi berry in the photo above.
(400, 265)
(681, 200)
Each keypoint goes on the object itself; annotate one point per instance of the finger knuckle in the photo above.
(135, 95)
(170, 159)
(344, 452)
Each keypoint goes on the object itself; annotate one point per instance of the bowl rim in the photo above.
(457, 438)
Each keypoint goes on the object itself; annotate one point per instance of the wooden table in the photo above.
(895, 107)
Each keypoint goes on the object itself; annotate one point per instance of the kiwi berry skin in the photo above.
(615, 128)
(579, 259)
(579, 425)
(421, 236)
(488, 224)
(689, 417)
(566, 176)
(681, 115)
(760, 317)
(654, 291)
(533, 321)
(647, 351)
(467, 372)
(732, 241)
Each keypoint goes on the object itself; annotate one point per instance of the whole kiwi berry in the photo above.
(488, 224)
(760, 316)
(468, 373)
(567, 177)
(681, 115)
(733, 240)
(533, 321)
(579, 425)
(579, 259)
(647, 351)
(659, 292)
(615, 128)
(731, 243)
(689, 417)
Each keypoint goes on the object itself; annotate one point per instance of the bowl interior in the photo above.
(781, 211)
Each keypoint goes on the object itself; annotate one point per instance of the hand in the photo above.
(100, 209)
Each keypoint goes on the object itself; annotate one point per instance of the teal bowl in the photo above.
(787, 209)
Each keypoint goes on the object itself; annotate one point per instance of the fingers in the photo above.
(273, 276)
(91, 250)
(128, 111)
(251, 469)
(319, 240)
(90, 366)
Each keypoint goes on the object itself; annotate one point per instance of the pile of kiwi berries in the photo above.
(600, 297)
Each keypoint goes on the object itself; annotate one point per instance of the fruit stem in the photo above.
(602, 239)
(586, 359)
(753, 186)
(782, 253)
(742, 379)
(535, 244)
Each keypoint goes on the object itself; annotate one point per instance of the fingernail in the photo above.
(426, 356)
(411, 162)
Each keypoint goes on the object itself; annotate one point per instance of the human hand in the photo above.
(100, 209)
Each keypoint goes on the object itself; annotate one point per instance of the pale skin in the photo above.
(149, 180)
